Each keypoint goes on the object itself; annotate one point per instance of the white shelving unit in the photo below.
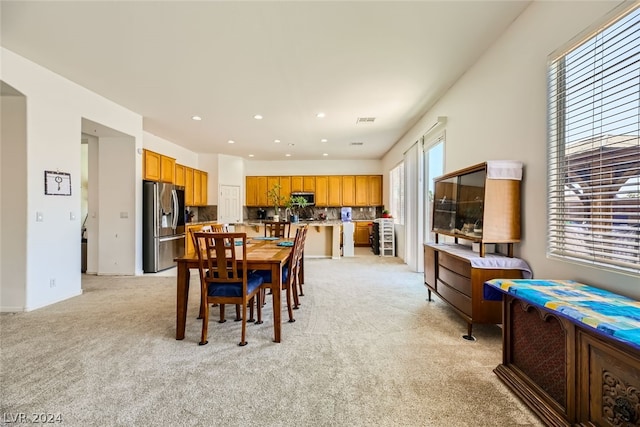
(387, 240)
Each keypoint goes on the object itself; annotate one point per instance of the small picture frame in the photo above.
(57, 183)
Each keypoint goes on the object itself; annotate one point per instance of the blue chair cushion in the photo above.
(266, 274)
(234, 289)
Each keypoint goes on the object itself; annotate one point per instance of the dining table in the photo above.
(262, 254)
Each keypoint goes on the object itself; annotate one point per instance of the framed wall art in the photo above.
(57, 183)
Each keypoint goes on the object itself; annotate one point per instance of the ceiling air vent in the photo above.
(365, 120)
(356, 143)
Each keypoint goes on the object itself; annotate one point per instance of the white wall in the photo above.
(55, 108)
(167, 148)
(13, 197)
(497, 110)
(313, 167)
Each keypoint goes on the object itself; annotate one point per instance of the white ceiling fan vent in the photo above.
(356, 143)
(365, 120)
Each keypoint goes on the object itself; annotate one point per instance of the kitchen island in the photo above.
(323, 237)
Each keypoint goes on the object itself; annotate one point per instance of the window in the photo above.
(396, 179)
(594, 148)
(434, 159)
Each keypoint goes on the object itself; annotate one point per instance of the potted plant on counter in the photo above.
(276, 200)
(295, 205)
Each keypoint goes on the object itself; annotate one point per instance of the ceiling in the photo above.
(287, 61)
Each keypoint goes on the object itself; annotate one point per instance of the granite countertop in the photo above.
(326, 223)
(201, 222)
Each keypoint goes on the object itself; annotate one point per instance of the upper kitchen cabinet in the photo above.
(285, 187)
(151, 165)
(200, 187)
(197, 187)
(157, 167)
(167, 169)
(188, 186)
(180, 175)
(362, 190)
(322, 191)
(348, 190)
(375, 190)
(296, 183)
(334, 196)
(309, 184)
(256, 191)
(251, 191)
(204, 188)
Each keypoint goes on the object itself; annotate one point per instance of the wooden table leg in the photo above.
(182, 299)
(276, 289)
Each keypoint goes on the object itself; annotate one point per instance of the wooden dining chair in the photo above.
(224, 277)
(297, 285)
(277, 229)
(217, 228)
(288, 274)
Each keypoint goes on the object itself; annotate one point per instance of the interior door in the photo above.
(229, 204)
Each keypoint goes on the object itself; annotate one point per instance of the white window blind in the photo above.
(594, 148)
(396, 179)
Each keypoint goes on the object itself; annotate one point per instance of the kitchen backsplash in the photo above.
(210, 213)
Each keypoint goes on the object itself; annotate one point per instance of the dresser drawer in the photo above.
(455, 298)
(460, 283)
(454, 264)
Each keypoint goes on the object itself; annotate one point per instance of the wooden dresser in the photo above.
(449, 272)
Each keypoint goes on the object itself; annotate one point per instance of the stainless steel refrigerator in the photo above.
(163, 233)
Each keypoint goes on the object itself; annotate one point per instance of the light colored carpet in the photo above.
(367, 349)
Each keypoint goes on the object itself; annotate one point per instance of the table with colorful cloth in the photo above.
(608, 314)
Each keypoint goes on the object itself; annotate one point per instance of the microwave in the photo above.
(309, 197)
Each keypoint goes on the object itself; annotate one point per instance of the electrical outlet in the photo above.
(52, 283)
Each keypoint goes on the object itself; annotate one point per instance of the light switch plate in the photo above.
(39, 217)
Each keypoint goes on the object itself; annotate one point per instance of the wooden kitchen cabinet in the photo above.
(180, 175)
(285, 187)
(375, 190)
(197, 187)
(167, 169)
(296, 183)
(261, 191)
(309, 184)
(157, 167)
(334, 192)
(362, 190)
(322, 191)
(348, 190)
(204, 188)
(188, 186)
(330, 190)
(361, 234)
(251, 191)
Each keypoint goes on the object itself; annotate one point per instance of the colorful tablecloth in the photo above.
(609, 314)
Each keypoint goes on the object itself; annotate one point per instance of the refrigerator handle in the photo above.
(174, 199)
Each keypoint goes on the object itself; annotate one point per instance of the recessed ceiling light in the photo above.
(323, 140)
(231, 141)
(291, 144)
(320, 115)
(257, 117)
(277, 141)
(325, 154)
(197, 118)
(250, 155)
(288, 155)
